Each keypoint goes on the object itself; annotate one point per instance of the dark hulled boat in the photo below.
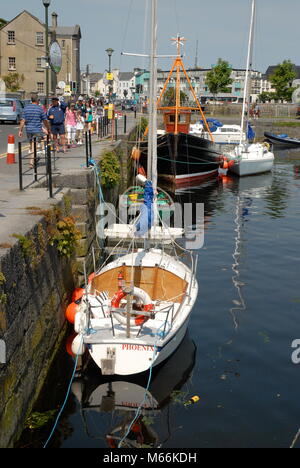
(183, 159)
(282, 141)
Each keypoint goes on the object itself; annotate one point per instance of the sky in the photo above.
(220, 27)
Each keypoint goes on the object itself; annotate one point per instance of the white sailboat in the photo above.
(134, 311)
(250, 158)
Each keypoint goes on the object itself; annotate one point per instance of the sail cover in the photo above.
(250, 133)
(146, 216)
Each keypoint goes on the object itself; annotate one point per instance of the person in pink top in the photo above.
(70, 122)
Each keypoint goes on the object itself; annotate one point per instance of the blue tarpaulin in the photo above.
(250, 132)
(147, 215)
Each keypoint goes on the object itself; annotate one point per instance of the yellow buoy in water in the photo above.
(192, 400)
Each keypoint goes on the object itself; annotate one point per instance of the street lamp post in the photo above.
(46, 5)
(109, 53)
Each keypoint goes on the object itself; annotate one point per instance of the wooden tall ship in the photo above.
(183, 159)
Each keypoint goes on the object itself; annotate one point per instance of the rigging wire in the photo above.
(66, 397)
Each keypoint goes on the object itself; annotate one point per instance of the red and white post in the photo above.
(10, 157)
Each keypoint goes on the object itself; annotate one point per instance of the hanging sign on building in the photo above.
(55, 57)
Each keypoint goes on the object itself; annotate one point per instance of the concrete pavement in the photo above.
(14, 204)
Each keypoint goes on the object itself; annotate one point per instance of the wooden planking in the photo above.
(158, 283)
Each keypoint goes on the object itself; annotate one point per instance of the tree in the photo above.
(282, 79)
(3, 22)
(267, 96)
(218, 79)
(170, 98)
(13, 81)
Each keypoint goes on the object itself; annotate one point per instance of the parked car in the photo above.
(10, 110)
(128, 104)
(298, 111)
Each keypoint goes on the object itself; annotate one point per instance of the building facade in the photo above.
(23, 46)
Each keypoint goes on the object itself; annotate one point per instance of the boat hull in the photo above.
(136, 357)
(282, 142)
(251, 167)
(184, 159)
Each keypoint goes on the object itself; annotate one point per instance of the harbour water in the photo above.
(237, 357)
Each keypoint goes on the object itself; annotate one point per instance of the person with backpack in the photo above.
(56, 116)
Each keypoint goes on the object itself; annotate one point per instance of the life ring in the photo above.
(139, 319)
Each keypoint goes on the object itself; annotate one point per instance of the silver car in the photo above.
(11, 109)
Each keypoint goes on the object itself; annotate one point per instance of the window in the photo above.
(39, 63)
(63, 43)
(40, 87)
(11, 63)
(11, 37)
(39, 38)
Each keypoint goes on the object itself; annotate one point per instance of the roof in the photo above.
(60, 30)
(94, 77)
(67, 31)
(22, 12)
(126, 76)
(271, 69)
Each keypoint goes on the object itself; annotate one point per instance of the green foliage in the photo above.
(68, 204)
(60, 232)
(282, 79)
(218, 79)
(178, 397)
(2, 278)
(13, 81)
(139, 130)
(3, 22)
(65, 236)
(109, 169)
(28, 248)
(169, 99)
(3, 297)
(37, 420)
(265, 96)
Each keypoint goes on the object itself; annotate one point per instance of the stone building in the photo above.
(22, 48)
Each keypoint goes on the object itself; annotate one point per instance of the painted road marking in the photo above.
(3, 155)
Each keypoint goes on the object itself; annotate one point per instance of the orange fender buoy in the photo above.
(77, 294)
(142, 171)
(135, 153)
(71, 311)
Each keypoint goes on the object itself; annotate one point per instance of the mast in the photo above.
(246, 97)
(152, 138)
(196, 57)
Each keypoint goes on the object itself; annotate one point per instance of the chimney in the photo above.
(54, 20)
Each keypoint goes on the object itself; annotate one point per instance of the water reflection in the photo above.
(247, 190)
(124, 411)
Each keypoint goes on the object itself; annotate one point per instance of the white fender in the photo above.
(78, 346)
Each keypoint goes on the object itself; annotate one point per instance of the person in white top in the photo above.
(79, 127)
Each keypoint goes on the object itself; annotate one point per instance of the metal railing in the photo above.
(45, 152)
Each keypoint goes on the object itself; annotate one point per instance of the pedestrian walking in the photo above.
(256, 111)
(70, 122)
(34, 118)
(79, 127)
(56, 116)
(89, 117)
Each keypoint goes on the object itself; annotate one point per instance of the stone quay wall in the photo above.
(36, 284)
